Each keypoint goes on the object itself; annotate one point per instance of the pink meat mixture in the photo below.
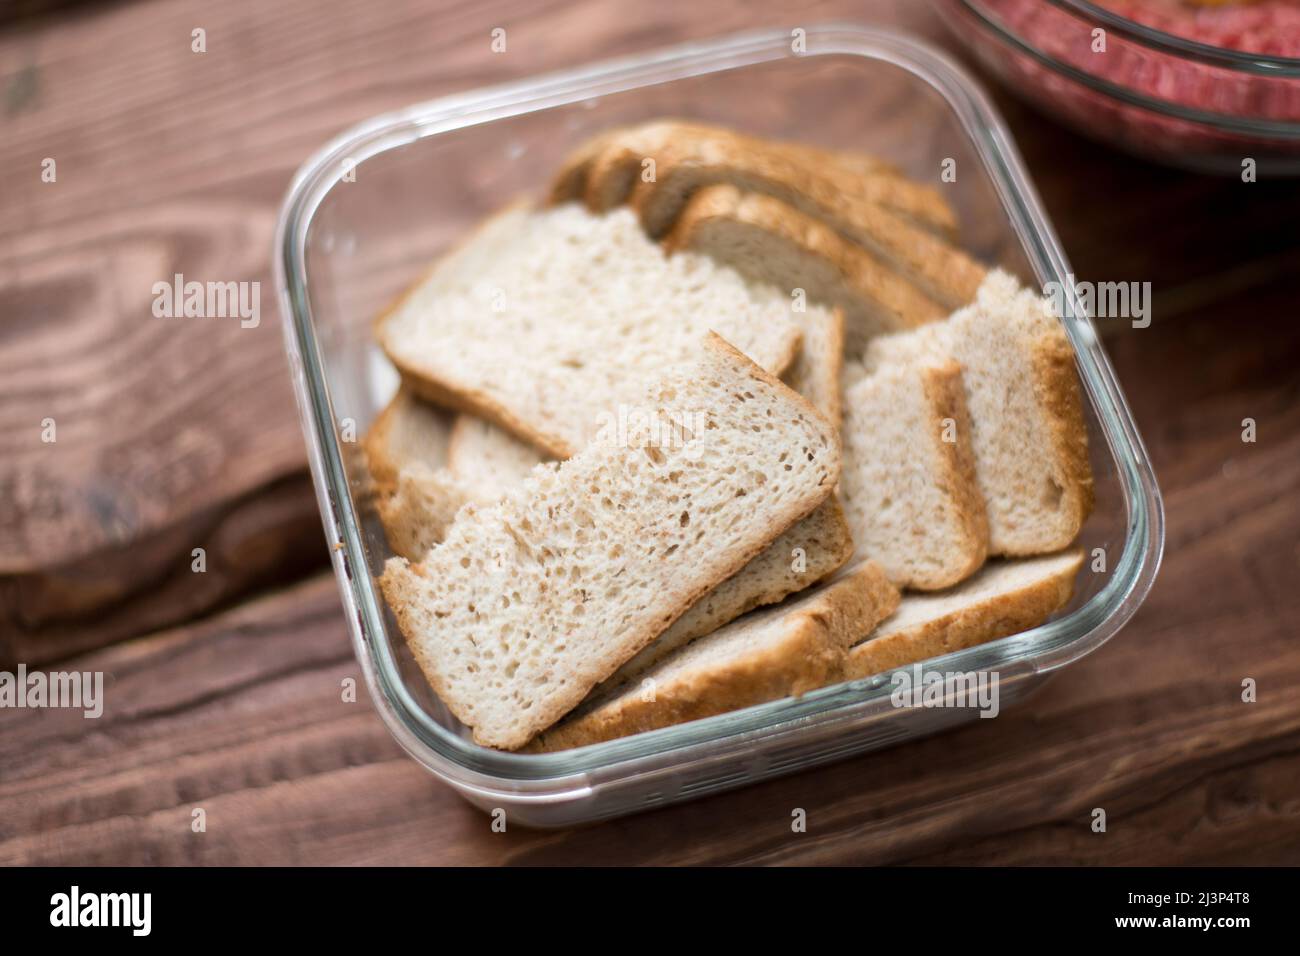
(1270, 27)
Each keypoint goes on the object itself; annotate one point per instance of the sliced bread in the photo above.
(781, 651)
(620, 159)
(415, 494)
(936, 267)
(1005, 598)
(769, 240)
(816, 372)
(484, 463)
(804, 554)
(421, 507)
(529, 603)
(546, 323)
(942, 271)
(908, 481)
(483, 455)
(570, 180)
(406, 432)
(427, 463)
(1027, 429)
(623, 159)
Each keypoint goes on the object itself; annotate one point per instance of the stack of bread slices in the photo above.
(725, 420)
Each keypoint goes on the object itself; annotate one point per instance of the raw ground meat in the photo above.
(1269, 27)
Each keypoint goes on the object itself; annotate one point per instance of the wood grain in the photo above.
(174, 434)
(270, 537)
(242, 715)
(170, 161)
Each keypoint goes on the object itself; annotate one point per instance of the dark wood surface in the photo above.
(226, 687)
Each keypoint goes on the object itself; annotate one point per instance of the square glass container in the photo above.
(368, 213)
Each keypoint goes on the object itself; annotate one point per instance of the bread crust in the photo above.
(981, 621)
(376, 445)
(615, 170)
(570, 180)
(943, 386)
(399, 584)
(430, 384)
(866, 277)
(825, 529)
(817, 629)
(1058, 392)
(944, 272)
(612, 173)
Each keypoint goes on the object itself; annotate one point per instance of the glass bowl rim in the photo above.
(1268, 64)
(1222, 122)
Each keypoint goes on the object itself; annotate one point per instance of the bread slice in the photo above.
(406, 450)
(427, 463)
(1005, 598)
(781, 651)
(481, 454)
(615, 161)
(1027, 429)
(570, 180)
(803, 555)
(769, 240)
(703, 228)
(620, 161)
(406, 432)
(817, 372)
(908, 481)
(529, 603)
(546, 323)
(484, 463)
(943, 272)
(421, 507)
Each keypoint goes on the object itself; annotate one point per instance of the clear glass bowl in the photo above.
(1152, 93)
(368, 213)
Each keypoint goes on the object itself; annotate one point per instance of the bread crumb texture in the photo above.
(529, 603)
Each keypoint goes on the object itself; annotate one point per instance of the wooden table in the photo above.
(226, 685)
